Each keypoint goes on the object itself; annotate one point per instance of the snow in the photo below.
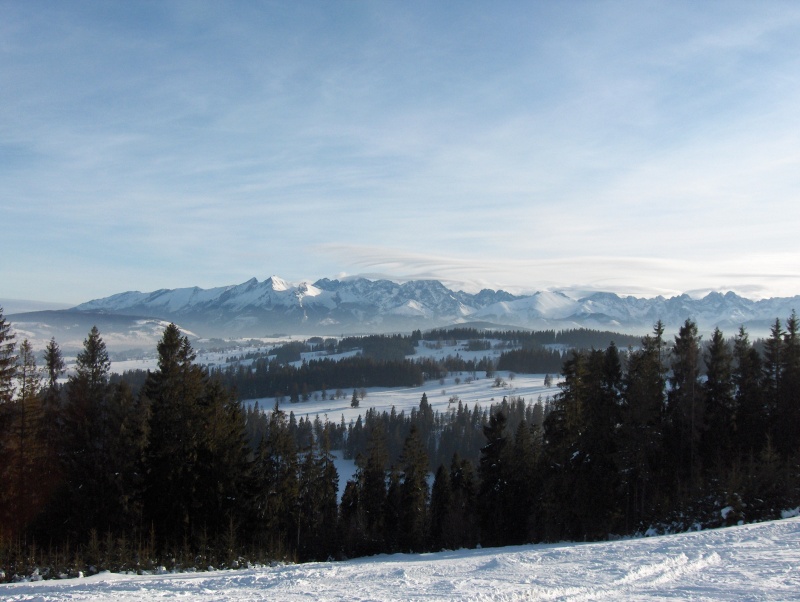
(482, 391)
(750, 562)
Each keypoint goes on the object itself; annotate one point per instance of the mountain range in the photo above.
(358, 305)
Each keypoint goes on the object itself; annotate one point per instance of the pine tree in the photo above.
(27, 420)
(441, 510)
(494, 490)
(462, 529)
(716, 444)
(173, 395)
(52, 398)
(8, 360)
(277, 488)
(318, 485)
(773, 365)
(84, 439)
(787, 432)
(372, 491)
(54, 364)
(413, 494)
(524, 485)
(7, 371)
(642, 432)
(222, 464)
(686, 405)
(750, 432)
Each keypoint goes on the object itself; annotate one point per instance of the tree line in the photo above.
(665, 435)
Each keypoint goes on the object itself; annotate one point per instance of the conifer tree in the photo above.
(84, 438)
(51, 400)
(8, 360)
(787, 432)
(53, 363)
(441, 510)
(720, 418)
(686, 404)
(462, 529)
(102, 440)
(773, 365)
(524, 484)
(750, 432)
(20, 447)
(7, 372)
(642, 431)
(178, 422)
(277, 488)
(28, 419)
(392, 513)
(494, 490)
(372, 490)
(413, 494)
(318, 485)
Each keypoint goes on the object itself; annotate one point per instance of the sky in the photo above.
(634, 147)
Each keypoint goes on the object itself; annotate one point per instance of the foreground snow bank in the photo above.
(759, 561)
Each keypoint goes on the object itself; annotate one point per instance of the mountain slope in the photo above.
(256, 308)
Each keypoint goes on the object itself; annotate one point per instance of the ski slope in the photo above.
(750, 562)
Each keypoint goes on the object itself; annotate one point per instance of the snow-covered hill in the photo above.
(750, 562)
(256, 308)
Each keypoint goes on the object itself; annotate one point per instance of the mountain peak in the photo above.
(277, 283)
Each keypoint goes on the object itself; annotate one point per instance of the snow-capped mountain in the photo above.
(256, 308)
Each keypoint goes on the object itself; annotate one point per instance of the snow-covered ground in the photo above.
(482, 390)
(751, 562)
(461, 385)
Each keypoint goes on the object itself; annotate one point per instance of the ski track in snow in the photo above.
(751, 562)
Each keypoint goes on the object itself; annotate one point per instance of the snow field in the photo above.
(750, 562)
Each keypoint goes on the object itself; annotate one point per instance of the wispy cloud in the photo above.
(644, 148)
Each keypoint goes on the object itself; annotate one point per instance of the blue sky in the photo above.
(636, 147)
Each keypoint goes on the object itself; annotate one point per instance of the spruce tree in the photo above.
(716, 444)
(102, 442)
(787, 432)
(441, 510)
(462, 529)
(642, 431)
(372, 491)
(172, 395)
(318, 487)
(773, 372)
(686, 405)
(750, 432)
(413, 494)
(494, 489)
(27, 442)
(8, 360)
(277, 488)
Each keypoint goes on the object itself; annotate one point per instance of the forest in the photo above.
(173, 474)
